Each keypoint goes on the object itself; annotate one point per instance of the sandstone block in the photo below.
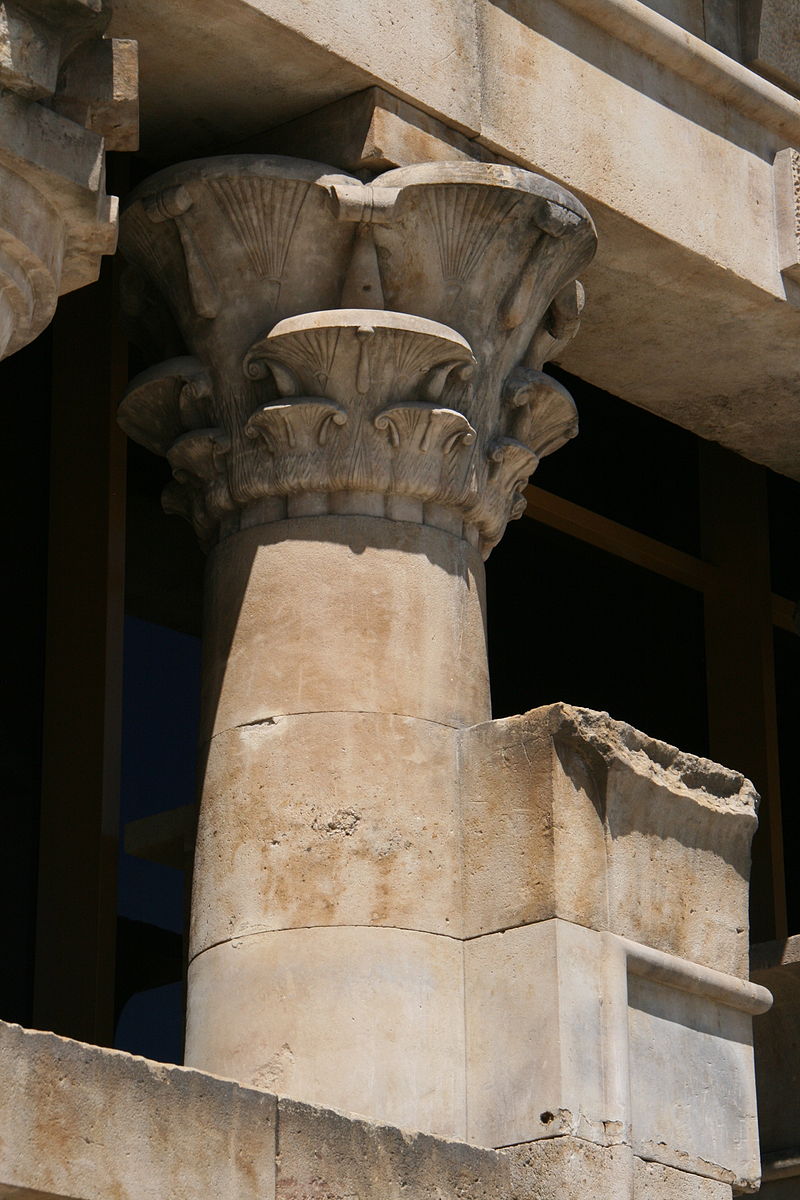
(362, 1020)
(570, 814)
(776, 965)
(654, 1181)
(90, 1123)
(340, 590)
(538, 1007)
(571, 1032)
(326, 1155)
(571, 1169)
(328, 819)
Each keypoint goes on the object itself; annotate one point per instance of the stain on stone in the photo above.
(343, 822)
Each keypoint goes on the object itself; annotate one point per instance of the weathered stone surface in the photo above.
(678, 173)
(571, 814)
(570, 1168)
(371, 130)
(787, 211)
(324, 1154)
(89, 1123)
(537, 1000)
(692, 1084)
(56, 220)
(99, 89)
(364, 1020)
(328, 819)
(771, 41)
(654, 1181)
(344, 613)
(574, 1033)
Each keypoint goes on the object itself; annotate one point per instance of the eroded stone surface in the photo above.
(573, 1033)
(89, 1123)
(324, 1154)
(569, 813)
(570, 1169)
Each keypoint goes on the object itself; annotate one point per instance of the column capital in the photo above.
(353, 347)
(67, 94)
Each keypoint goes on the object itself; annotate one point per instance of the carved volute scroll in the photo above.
(347, 339)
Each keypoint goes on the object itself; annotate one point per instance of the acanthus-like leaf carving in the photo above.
(423, 427)
(300, 426)
(164, 402)
(543, 414)
(510, 466)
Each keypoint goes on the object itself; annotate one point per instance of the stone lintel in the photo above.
(369, 131)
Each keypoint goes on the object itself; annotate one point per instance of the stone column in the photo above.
(352, 401)
(67, 94)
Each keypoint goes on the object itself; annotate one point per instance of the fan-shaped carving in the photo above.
(164, 402)
(263, 214)
(544, 416)
(465, 220)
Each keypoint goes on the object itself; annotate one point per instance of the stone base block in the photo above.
(87, 1123)
(569, 1168)
(576, 1033)
(365, 1020)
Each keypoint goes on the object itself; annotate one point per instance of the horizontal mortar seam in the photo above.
(334, 712)
(680, 968)
(240, 937)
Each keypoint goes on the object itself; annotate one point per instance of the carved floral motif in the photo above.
(439, 397)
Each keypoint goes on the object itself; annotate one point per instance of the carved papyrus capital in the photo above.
(67, 94)
(353, 347)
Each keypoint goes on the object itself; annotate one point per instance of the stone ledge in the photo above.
(87, 1123)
